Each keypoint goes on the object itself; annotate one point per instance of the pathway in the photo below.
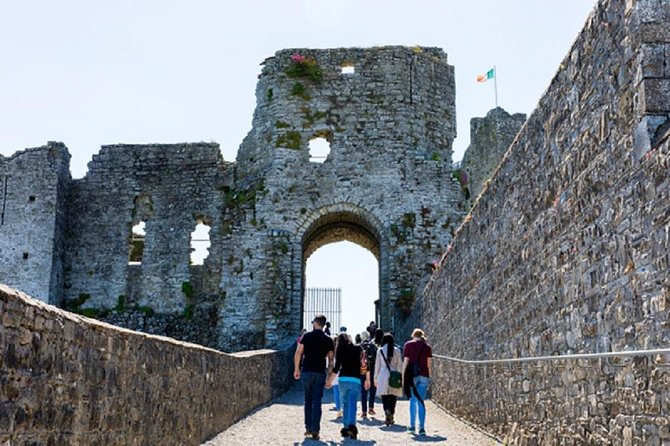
(281, 423)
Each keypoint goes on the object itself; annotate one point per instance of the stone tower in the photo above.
(388, 115)
(490, 137)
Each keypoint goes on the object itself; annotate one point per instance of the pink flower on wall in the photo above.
(298, 58)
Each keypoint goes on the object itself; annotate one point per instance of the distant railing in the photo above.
(652, 353)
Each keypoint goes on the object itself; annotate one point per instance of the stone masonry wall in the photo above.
(65, 379)
(568, 251)
(32, 209)
(386, 182)
(170, 188)
(490, 137)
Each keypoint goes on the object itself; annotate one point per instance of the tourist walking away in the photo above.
(416, 377)
(368, 396)
(350, 363)
(378, 337)
(388, 376)
(316, 350)
(371, 328)
(335, 385)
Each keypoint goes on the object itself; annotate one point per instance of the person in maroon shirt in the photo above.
(418, 352)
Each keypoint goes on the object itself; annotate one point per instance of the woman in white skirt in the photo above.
(389, 359)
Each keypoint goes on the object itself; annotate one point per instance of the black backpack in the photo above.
(370, 355)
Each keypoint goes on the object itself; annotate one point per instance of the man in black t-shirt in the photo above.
(317, 348)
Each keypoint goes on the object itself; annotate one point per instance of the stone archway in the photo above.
(340, 222)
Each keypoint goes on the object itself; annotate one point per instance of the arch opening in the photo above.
(342, 250)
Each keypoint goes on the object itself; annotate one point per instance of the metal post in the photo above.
(495, 84)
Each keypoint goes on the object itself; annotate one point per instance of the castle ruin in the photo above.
(387, 184)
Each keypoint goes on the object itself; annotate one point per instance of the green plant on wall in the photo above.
(409, 220)
(311, 117)
(187, 289)
(462, 178)
(304, 67)
(289, 140)
(405, 301)
(299, 90)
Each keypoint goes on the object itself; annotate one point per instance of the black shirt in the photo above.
(317, 345)
(348, 360)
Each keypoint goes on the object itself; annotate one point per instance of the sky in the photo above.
(163, 71)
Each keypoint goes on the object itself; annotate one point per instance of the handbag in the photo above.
(395, 378)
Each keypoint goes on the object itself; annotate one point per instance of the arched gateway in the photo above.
(345, 221)
(385, 182)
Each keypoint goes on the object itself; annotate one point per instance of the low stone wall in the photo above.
(568, 402)
(66, 379)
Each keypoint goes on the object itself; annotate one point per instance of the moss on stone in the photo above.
(290, 140)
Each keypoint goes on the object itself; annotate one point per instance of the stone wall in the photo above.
(33, 184)
(70, 380)
(490, 137)
(385, 184)
(169, 188)
(567, 251)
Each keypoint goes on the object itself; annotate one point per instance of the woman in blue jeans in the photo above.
(350, 363)
(417, 354)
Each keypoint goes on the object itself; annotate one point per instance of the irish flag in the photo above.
(489, 75)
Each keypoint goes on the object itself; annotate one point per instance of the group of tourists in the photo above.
(362, 368)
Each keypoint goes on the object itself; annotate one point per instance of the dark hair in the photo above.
(390, 341)
(358, 339)
(343, 339)
(320, 319)
(379, 336)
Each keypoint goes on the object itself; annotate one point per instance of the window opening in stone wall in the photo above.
(354, 270)
(319, 148)
(137, 241)
(200, 243)
(348, 69)
(31, 198)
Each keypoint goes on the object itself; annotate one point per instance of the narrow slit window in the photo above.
(200, 243)
(348, 69)
(137, 239)
(319, 149)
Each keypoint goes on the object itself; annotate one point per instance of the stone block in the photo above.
(655, 32)
(653, 60)
(655, 97)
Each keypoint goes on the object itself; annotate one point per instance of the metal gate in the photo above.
(326, 301)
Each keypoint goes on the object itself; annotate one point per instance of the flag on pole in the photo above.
(489, 75)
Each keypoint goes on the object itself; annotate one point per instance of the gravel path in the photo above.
(281, 423)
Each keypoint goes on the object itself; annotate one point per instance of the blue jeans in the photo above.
(350, 392)
(313, 383)
(336, 396)
(421, 383)
(364, 395)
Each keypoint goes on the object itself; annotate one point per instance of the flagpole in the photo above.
(495, 84)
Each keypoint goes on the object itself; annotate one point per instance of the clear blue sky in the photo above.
(93, 73)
